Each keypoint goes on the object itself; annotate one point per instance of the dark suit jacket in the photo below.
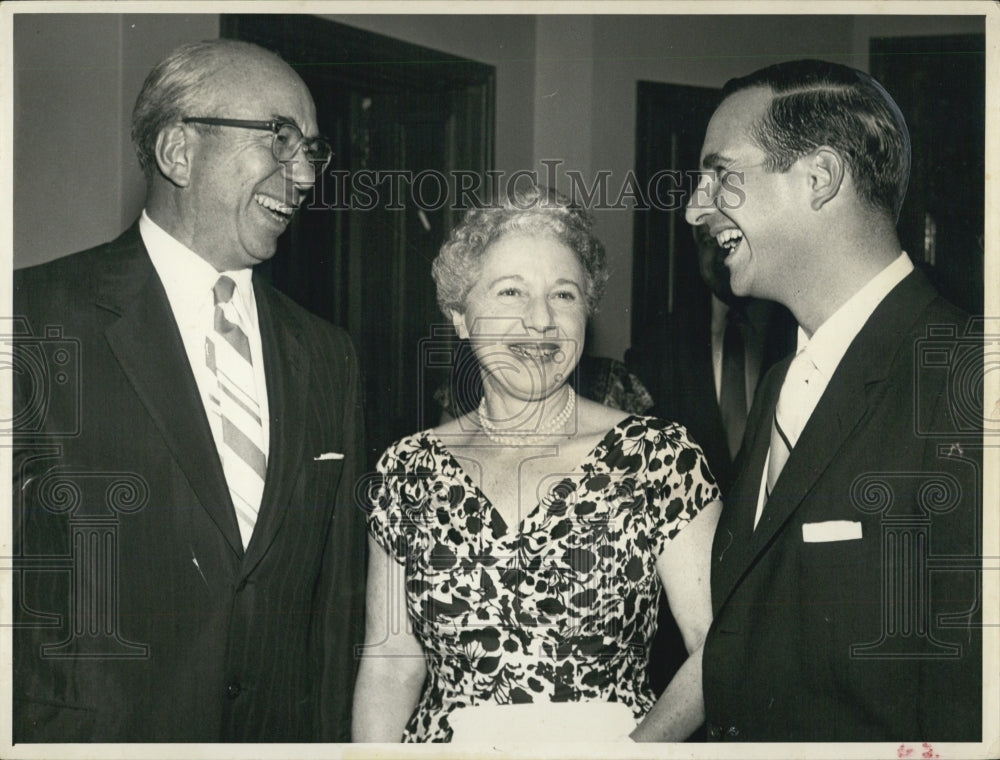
(140, 617)
(858, 640)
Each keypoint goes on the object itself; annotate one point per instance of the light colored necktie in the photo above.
(227, 353)
(790, 415)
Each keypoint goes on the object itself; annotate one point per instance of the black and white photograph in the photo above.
(557, 379)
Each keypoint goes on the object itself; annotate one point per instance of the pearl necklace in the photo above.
(516, 438)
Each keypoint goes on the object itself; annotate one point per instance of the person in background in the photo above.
(208, 577)
(517, 552)
(702, 372)
(823, 631)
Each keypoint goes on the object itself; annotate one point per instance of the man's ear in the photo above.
(458, 320)
(826, 175)
(173, 154)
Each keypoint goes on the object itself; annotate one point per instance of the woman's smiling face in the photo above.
(526, 315)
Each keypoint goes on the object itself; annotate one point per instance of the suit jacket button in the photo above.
(233, 690)
(241, 585)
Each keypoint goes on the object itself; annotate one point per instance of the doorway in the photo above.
(939, 83)
(670, 126)
(402, 120)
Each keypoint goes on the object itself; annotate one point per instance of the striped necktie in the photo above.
(790, 414)
(244, 462)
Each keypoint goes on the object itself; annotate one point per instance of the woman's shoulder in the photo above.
(656, 429)
(403, 452)
(661, 444)
(673, 459)
(598, 418)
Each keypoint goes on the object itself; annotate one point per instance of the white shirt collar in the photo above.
(830, 341)
(186, 276)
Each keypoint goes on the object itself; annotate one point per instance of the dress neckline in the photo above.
(592, 455)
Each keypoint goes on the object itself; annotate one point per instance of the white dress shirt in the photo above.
(188, 280)
(831, 340)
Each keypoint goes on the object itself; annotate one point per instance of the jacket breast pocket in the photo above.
(323, 475)
(840, 598)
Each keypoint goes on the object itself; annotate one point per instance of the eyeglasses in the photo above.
(285, 144)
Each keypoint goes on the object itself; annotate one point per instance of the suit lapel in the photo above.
(148, 346)
(286, 370)
(854, 389)
(846, 400)
(731, 551)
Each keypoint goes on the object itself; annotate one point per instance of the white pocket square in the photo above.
(328, 456)
(831, 530)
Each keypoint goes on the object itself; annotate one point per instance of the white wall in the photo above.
(77, 182)
(67, 140)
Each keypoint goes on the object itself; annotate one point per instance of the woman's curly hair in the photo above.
(533, 209)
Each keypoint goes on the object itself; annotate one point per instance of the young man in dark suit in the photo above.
(844, 576)
(190, 560)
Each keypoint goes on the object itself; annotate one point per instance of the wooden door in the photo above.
(402, 119)
(940, 85)
(670, 127)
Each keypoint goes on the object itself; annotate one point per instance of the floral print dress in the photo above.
(560, 608)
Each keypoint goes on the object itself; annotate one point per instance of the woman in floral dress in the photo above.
(517, 552)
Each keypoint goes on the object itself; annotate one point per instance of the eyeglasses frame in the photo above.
(273, 126)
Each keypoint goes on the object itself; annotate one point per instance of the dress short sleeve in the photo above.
(679, 482)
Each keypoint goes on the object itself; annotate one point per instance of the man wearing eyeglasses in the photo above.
(205, 583)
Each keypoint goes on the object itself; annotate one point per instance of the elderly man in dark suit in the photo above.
(844, 569)
(190, 561)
